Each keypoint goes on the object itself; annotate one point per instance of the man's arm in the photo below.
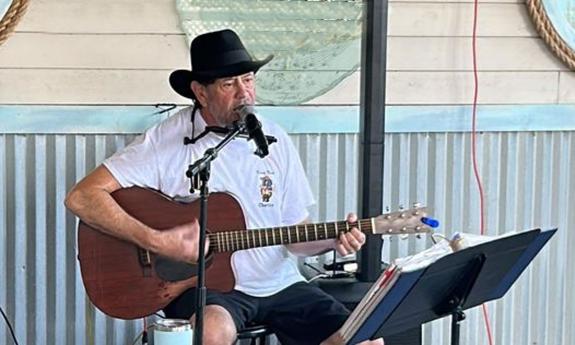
(92, 202)
(348, 243)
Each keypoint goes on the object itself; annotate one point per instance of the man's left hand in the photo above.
(351, 241)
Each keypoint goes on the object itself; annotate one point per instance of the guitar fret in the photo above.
(289, 234)
(281, 236)
(297, 232)
(315, 229)
(336, 230)
(219, 241)
(359, 225)
(274, 236)
(253, 238)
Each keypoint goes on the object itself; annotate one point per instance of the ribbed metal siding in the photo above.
(527, 180)
(40, 283)
(528, 183)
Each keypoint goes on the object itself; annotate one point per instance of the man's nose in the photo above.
(241, 89)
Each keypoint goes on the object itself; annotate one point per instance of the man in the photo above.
(269, 288)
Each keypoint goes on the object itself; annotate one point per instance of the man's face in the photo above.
(220, 99)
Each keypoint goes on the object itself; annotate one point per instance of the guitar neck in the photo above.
(229, 241)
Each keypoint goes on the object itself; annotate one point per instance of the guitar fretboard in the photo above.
(229, 241)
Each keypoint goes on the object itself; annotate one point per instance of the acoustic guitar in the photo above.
(128, 282)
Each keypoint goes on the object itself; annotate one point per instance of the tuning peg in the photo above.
(387, 209)
(401, 208)
(416, 204)
(418, 236)
(403, 236)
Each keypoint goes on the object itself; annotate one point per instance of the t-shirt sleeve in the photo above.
(136, 164)
(298, 195)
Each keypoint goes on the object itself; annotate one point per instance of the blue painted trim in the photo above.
(20, 119)
(23, 119)
(490, 118)
(76, 119)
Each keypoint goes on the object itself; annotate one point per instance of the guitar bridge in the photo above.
(145, 261)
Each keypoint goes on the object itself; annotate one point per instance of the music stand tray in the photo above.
(455, 282)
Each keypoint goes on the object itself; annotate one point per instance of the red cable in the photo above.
(474, 153)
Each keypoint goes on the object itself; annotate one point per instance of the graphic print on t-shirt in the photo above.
(266, 188)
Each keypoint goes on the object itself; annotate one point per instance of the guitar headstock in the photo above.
(411, 221)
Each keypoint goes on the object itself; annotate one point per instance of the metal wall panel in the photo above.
(528, 183)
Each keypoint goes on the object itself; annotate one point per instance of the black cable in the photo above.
(313, 268)
(9, 326)
(160, 315)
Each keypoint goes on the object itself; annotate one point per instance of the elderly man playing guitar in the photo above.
(271, 192)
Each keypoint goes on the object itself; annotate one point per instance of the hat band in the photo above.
(225, 59)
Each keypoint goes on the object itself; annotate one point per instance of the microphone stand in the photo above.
(199, 174)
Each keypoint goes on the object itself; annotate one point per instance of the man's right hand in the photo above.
(180, 242)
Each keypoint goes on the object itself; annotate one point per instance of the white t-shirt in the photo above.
(272, 191)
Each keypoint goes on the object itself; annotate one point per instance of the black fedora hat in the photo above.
(215, 55)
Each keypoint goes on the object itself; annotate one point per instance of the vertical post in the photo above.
(456, 317)
(372, 129)
(201, 282)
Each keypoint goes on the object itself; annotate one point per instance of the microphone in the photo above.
(254, 129)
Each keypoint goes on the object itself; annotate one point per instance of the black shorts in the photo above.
(301, 314)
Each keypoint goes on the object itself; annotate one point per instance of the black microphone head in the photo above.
(254, 128)
(244, 110)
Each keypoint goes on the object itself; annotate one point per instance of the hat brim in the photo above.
(180, 80)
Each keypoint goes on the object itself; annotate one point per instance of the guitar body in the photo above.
(126, 282)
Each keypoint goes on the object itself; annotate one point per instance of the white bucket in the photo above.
(173, 332)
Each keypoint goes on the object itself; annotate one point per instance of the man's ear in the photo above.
(200, 91)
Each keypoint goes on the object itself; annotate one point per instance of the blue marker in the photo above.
(430, 221)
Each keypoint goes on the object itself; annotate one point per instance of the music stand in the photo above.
(452, 284)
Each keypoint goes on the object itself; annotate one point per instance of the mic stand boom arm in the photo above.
(199, 174)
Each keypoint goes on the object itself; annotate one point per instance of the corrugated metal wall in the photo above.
(527, 179)
(528, 183)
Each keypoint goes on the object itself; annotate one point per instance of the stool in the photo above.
(257, 333)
